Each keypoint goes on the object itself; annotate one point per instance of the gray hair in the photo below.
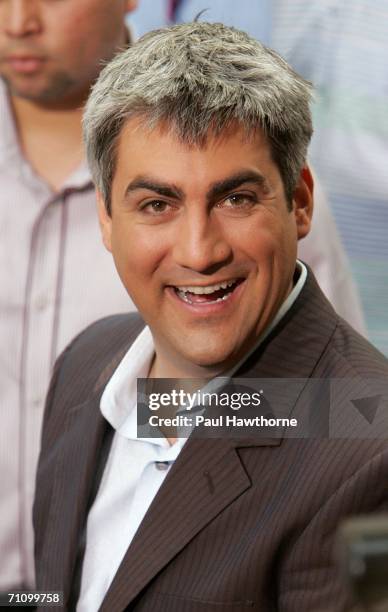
(199, 77)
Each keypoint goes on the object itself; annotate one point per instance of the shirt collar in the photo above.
(9, 143)
(119, 399)
(81, 178)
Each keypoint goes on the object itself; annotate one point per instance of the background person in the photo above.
(55, 276)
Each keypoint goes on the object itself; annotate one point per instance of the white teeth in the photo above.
(183, 296)
(208, 289)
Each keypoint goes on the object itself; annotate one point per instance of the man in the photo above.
(55, 279)
(322, 249)
(197, 139)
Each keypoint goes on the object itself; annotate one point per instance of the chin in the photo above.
(209, 358)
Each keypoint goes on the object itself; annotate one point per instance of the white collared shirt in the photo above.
(135, 469)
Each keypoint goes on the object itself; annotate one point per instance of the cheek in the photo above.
(271, 248)
(67, 47)
(259, 242)
(100, 33)
(137, 251)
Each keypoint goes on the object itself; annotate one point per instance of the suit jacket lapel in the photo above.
(207, 477)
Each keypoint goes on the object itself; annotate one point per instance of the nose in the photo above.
(200, 243)
(20, 18)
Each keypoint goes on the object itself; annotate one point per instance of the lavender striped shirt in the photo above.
(56, 278)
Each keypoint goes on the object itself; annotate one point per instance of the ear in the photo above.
(105, 221)
(303, 202)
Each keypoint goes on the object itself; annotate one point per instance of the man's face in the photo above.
(52, 50)
(203, 240)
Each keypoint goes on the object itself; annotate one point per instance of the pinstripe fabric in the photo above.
(237, 524)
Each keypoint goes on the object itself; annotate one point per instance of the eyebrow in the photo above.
(163, 189)
(216, 191)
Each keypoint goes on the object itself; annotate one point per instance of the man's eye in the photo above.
(239, 200)
(156, 207)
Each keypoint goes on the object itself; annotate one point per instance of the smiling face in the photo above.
(54, 49)
(204, 241)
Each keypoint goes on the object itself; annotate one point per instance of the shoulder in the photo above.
(110, 332)
(102, 339)
(336, 347)
(348, 353)
(91, 358)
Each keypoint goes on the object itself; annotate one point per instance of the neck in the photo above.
(162, 367)
(50, 138)
(30, 115)
(182, 380)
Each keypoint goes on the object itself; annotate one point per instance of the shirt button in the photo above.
(37, 402)
(162, 466)
(42, 302)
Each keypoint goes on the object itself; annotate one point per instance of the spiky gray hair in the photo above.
(199, 78)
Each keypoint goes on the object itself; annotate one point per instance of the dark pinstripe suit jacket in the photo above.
(237, 524)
